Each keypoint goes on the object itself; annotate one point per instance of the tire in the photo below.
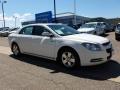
(95, 33)
(103, 32)
(69, 58)
(116, 37)
(15, 49)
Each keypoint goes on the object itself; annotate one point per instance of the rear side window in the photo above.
(27, 31)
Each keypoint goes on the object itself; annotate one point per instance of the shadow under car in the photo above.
(111, 69)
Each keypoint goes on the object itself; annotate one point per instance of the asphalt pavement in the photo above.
(32, 73)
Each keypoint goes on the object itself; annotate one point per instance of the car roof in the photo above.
(44, 24)
(94, 22)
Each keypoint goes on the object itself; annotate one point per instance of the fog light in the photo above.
(96, 60)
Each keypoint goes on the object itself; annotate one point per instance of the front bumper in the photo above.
(95, 58)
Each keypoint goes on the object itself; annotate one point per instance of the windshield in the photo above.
(88, 26)
(63, 30)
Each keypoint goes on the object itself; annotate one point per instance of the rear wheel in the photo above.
(95, 33)
(16, 50)
(69, 58)
(117, 38)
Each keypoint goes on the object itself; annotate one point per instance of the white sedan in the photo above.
(61, 43)
(96, 28)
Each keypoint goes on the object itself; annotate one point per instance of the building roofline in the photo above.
(65, 13)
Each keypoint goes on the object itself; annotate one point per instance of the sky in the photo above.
(25, 10)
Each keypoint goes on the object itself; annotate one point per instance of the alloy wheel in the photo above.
(15, 50)
(68, 59)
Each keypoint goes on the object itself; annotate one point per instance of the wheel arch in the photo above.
(16, 44)
(71, 48)
(13, 43)
(67, 47)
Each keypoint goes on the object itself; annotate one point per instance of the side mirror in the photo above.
(47, 34)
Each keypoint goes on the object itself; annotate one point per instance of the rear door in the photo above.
(25, 38)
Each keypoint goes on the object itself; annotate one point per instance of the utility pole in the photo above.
(2, 2)
(55, 11)
(75, 12)
(15, 20)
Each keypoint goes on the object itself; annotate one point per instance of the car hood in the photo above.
(87, 38)
(4, 31)
(13, 31)
(85, 29)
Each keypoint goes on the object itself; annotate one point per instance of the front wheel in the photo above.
(69, 58)
(95, 33)
(16, 50)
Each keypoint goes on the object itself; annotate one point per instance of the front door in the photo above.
(43, 45)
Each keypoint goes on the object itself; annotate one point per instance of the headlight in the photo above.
(92, 47)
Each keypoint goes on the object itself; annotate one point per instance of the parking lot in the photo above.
(32, 73)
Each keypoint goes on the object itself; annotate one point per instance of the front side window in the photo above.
(63, 30)
(27, 31)
(39, 30)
